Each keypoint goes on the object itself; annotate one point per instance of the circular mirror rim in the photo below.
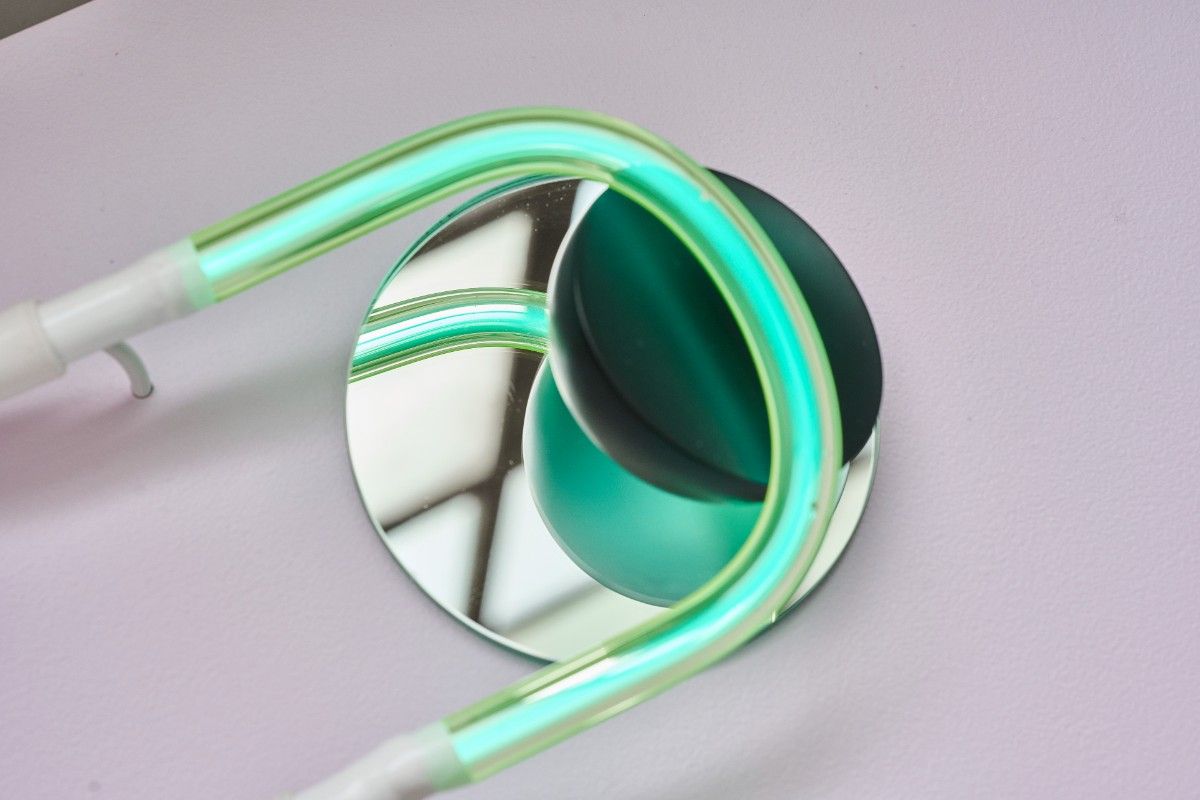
(858, 475)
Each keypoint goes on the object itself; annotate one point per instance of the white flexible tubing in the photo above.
(27, 357)
(139, 379)
(165, 285)
(405, 768)
(38, 340)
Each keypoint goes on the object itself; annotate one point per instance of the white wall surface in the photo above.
(194, 605)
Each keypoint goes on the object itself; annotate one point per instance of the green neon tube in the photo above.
(422, 327)
(570, 696)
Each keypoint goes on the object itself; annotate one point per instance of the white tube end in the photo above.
(37, 340)
(165, 285)
(405, 768)
(27, 357)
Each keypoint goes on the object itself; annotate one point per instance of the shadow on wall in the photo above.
(121, 444)
(17, 16)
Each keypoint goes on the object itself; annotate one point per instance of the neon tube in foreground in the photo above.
(556, 702)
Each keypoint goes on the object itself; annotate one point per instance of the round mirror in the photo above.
(435, 443)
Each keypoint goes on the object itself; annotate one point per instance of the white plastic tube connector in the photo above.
(404, 768)
(38, 340)
(27, 357)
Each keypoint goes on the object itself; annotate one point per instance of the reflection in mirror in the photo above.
(436, 444)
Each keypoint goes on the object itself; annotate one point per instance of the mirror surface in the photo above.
(435, 444)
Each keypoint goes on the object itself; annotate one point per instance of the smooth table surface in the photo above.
(193, 603)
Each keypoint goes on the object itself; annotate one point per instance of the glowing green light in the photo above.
(802, 407)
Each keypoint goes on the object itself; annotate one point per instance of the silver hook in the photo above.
(131, 362)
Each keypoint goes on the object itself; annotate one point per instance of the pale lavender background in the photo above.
(193, 604)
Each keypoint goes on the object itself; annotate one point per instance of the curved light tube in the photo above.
(801, 403)
(408, 331)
